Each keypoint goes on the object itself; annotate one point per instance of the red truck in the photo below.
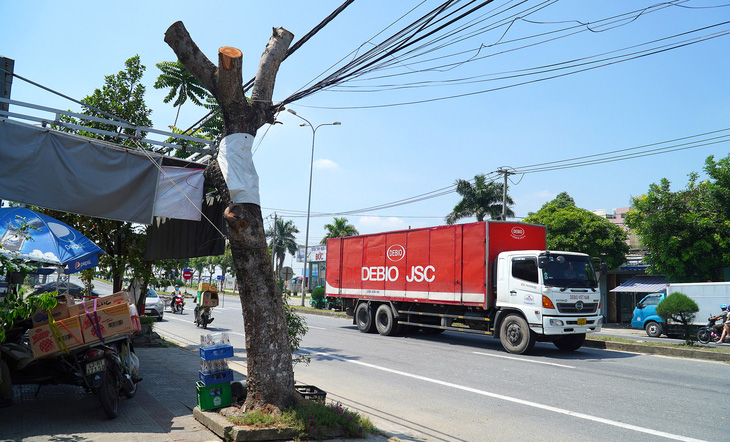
(491, 277)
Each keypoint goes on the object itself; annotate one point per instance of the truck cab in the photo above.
(645, 315)
(557, 292)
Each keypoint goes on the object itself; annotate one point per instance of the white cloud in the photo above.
(324, 164)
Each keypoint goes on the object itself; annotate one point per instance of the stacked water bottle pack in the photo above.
(214, 387)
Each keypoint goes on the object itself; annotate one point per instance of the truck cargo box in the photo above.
(444, 265)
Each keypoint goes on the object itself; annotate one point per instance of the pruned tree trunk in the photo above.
(270, 379)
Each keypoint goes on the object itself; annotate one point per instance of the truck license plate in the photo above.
(95, 367)
(581, 321)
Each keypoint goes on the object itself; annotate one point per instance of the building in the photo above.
(625, 286)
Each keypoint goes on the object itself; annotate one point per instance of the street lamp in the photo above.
(309, 200)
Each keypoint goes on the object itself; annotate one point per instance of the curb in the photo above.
(689, 353)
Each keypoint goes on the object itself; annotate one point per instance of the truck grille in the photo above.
(588, 308)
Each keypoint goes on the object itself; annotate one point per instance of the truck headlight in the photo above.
(556, 323)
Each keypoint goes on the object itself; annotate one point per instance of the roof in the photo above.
(643, 284)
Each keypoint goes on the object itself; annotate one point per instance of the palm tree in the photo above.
(479, 200)
(182, 84)
(285, 241)
(339, 229)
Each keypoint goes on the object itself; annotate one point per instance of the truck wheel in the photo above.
(653, 329)
(364, 318)
(515, 335)
(385, 321)
(570, 342)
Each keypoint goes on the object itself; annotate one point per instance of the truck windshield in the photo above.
(568, 271)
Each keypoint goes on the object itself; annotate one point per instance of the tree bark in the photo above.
(270, 380)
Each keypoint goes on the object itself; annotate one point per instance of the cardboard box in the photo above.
(209, 299)
(112, 321)
(202, 286)
(60, 311)
(44, 342)
(102, 302)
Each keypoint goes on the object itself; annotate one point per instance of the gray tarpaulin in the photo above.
(67, 173)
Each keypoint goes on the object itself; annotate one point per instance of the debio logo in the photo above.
(396, 252)
(517, 232)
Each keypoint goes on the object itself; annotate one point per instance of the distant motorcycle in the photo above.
(203, 317)
(707, 333)
(178, 305)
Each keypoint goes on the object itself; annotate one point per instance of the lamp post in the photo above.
(309, 200)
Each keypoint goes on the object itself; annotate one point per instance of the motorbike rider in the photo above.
(717, 328)
(196, 299)
(175, 295)
(726, 326)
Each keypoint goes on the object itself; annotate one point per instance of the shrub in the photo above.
(679, 308)
(318, 297)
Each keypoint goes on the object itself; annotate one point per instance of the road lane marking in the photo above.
(523, 360)
(316, 328)
(511, 399)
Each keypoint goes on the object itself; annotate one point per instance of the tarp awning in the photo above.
(643, 284)
(65, 172)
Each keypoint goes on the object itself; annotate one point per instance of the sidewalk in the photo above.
(160, 411)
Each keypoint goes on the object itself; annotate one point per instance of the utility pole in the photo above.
(273, 251)
(506, 174)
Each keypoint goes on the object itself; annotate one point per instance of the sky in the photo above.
(384, 152)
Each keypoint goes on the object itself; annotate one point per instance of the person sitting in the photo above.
(717, 328)
(175, 294)
(725, 329)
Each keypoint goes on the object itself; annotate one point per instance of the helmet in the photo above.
(723, 306)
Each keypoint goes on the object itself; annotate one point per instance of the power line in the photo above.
(673, 145)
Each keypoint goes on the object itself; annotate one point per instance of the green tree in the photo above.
(680, 308)
(198, 264)
(686, 233)
(577, 230)
(122, 96)
(282, 240)
(182, 85)
(340, 228)
(479, 200)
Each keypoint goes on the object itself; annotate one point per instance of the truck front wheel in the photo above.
(385, 321)
(516, 335)
(653, 329)
(364, 318)
(570, 342)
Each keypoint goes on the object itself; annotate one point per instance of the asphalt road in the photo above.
(461, 387)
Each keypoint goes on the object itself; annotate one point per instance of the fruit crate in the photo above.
(311, 392)
(213, 396)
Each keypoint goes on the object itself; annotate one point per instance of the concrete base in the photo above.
(229, 432)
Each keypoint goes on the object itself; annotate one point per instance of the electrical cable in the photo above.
(552, 166)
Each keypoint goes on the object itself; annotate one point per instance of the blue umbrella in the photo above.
(47, 240)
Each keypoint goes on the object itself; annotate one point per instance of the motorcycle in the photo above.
(178, 304)
(707, 333)
(203, 316)
(107, 369)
